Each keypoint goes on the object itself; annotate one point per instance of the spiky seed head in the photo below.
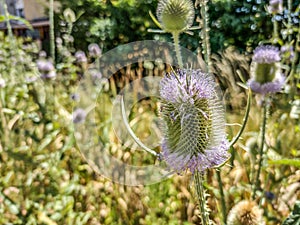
(266, 76)
(245, 213)
(194, 122)
(175, 15)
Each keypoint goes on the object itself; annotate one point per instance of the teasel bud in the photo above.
(175, 15)
(194, 121)
(265, 71)
(245, 213)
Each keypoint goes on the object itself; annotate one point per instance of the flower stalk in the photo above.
(52, 36)
(201, 196)
(223, 203)
(177, 48)
(261, 149)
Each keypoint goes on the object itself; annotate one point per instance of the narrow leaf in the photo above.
(289, 162)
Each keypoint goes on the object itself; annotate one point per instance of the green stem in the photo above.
(294, 62)
(290, 19)
(3, 124)
(275, 31)
(177, 48)
(245, 119)
(201, 195)
(204, 34)
(223, 203)
(52, 37)
(6, 14)
(261, 151)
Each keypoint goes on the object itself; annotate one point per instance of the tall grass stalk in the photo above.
(52, 36)
(261, 149)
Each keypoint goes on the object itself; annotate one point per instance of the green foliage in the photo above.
(294, 218)
(110, 23)
(242, 24)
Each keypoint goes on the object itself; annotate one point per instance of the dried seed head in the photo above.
(245, 213)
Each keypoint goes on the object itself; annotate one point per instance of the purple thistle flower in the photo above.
(194, 122)
(94, 50)
(266, 76)
(80, 57)
(79, 115)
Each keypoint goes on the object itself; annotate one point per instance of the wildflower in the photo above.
(42, 54)
(75, 97)
(266, 76)
(287, 51)
(245, 213)
(275, 6)
(2, 83)
(79, 115)
(94, 50)
(194, 122)
(46, 69)
(175, 15)
(80, 57)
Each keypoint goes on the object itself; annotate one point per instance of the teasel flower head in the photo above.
(193, 121)
(265, 71)
(175, 15)
(245, 213)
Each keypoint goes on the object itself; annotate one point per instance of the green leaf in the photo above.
(294, 217)
(289, 162)
(25, 22)
(2, 18)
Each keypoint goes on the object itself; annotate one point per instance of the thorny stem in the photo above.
(223, 203)
(261, 151)
(204, 34)
(201, 195)
(52, 37)
(177, 48)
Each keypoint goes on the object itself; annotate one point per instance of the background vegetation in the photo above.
(45, 180)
